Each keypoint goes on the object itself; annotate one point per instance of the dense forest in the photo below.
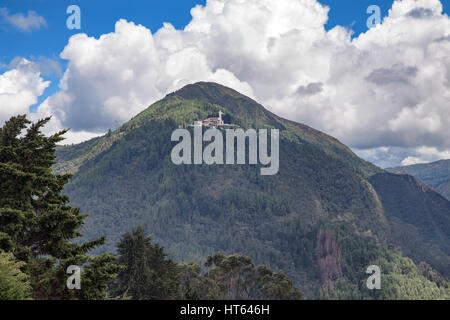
(435, 174)
(126, 179)
(211, 231)
(37, 224)
(149, 274)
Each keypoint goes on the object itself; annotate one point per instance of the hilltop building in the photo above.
(215, 122)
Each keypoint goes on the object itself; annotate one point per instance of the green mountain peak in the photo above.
(325, 217)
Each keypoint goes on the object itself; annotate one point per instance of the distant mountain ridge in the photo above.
(323, 218)
(435, 174)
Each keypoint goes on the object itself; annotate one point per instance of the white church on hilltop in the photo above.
(214, 122)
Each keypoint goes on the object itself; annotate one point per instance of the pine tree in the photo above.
(14, 283)
(149, 274)
(37, 224)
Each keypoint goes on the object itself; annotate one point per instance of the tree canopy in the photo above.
(149, 274)
(37, 224)
(14, 283)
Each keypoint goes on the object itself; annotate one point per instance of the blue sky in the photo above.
(99, 17)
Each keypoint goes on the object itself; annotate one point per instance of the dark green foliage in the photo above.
(197, 210)
(400, 277)
(36, 220)
(148, 274)
(14, 284)
(416, 210)
(194, 285)
(238, 278)
(435, 174)
(127, 179)
(234, 277)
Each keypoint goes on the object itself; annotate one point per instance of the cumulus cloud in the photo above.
(20, 88)
(388, 157)
(48, 66)
(397, 73)
(310, 89)
(112, 78)
(30, 21)
(424, 155)
(387, 88)
(420, 13)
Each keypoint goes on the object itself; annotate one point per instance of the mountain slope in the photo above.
(435, 175)
(308, 220)
(197, 101)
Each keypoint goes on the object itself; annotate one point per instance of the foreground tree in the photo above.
(238, 278)
(149, 274)
(194, 285)
(14, 283)
(37, 223)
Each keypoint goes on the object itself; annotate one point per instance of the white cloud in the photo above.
(426, 154)
(387, 88)
(20, 88)
(30, 21)
(48, 66)
(112, 78)
(387, 157)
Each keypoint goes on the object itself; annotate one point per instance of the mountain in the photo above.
(323, 219)
(435, 174)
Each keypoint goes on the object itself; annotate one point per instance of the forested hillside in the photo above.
(435, 174)
(322, 219)
(39, 258)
